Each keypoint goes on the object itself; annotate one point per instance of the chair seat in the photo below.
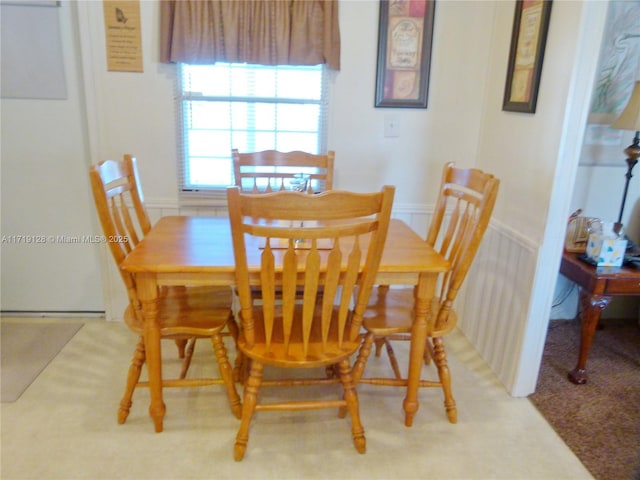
(188, 312)
(391, 313)
(318, 355)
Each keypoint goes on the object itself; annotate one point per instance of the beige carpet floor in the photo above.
(26, 349)
(64, 426)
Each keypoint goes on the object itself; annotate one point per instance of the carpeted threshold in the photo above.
(600, 420)
(27, 348)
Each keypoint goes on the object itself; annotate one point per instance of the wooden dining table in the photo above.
(198, 251)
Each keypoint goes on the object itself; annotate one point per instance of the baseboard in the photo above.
(35, 314)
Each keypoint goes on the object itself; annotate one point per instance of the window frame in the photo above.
(216, 195)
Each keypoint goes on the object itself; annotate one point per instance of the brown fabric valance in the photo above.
(265, 32)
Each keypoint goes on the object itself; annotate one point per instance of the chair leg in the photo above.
(240, 368)
(358, 367)
(252, 385)
(227, 375)
(380, 342)
(234, 330)
(363, 355)
(329, 371)
(181, 344)
(233, 327)
(440, 358)
(392, 359)
(428, 353)
(351, 397)
(132, 379)
(187, 356)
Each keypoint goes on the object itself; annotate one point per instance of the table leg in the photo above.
(592, 307)
(423, 294)
(148, 294)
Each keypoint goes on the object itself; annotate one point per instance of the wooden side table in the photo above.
(597, 287)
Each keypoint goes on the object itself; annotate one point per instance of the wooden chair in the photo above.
(183, 313)
(268, 171)
(461, 216)
(129, 169)
(325, 253)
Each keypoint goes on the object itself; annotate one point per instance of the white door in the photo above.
(49, 262)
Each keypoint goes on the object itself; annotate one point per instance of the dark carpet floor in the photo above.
(600, 420)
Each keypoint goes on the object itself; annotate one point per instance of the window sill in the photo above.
(203, 198)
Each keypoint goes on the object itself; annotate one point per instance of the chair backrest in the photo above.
(116, 190)
(268, 171)
(462, 213)
(315, 242)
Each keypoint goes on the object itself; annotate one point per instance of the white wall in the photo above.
(599, 189)
(126, 104)
(131, 112)
(447, 130)
(522, 148)
(536, 156)
(464, 122)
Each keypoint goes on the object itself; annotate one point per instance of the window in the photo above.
(248, 107)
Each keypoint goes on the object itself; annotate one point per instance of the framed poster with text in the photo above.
(123, 36)
(528, 39)
(405, 35)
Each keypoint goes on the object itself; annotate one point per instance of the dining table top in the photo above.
(203, 244)
(194, 250)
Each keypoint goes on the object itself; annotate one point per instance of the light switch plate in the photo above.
(391, 126)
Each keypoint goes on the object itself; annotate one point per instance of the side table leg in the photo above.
(592, 307)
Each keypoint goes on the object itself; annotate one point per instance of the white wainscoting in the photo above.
(492, 304)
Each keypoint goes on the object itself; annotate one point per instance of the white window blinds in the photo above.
(248, 107)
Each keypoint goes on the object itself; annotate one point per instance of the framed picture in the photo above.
(528, 39)
(405, 34)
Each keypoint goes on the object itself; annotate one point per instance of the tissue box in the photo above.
(606, 251)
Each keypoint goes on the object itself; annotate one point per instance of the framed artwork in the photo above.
(528, 39)
(405, 34)
(618, 65)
